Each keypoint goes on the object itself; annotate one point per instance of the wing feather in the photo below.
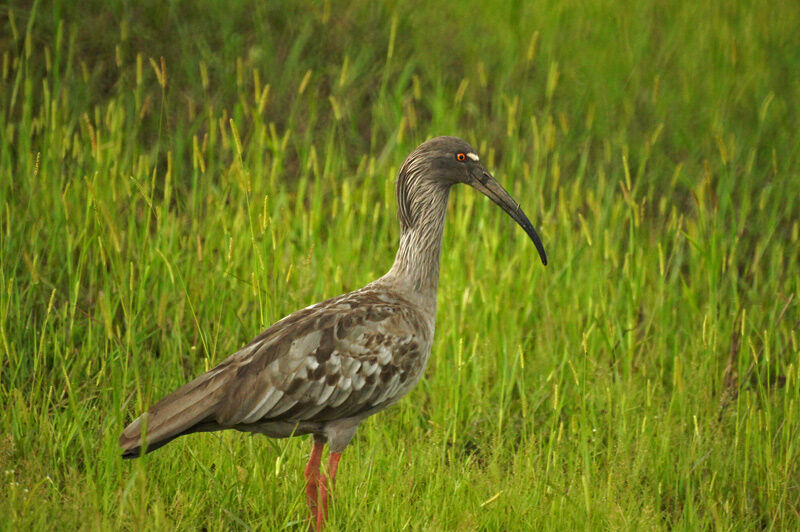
(325, 395)
(268, 401)
(284, 404)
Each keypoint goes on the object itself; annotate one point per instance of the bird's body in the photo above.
(324, 369)
(320, 370)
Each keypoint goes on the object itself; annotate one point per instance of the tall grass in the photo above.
(176, 177)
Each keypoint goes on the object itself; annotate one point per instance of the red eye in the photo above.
(461, 157)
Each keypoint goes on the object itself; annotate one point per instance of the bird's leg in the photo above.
(326, 486)
(313, 477)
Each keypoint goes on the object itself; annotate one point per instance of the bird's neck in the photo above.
(416, 265)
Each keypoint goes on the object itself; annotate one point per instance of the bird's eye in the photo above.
(461, 157)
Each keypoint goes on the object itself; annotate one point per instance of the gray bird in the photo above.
(324, 369)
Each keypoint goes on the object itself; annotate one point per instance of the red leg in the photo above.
(313, 477)
(333, 465)
(322, 511)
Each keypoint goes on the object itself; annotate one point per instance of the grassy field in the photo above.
(176, 176)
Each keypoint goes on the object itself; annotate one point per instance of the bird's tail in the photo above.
(188, 409)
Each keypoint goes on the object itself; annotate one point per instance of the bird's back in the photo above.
(344, 358)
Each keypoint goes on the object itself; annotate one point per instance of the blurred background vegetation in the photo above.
(175, 176)
(713, 76)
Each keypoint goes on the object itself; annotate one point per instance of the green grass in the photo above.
(152, 223)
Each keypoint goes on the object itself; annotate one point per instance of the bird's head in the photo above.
(446, 161)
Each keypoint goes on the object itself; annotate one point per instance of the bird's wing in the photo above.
(330, 361)
(336, 359)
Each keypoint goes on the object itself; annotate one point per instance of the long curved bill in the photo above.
(489, 186)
